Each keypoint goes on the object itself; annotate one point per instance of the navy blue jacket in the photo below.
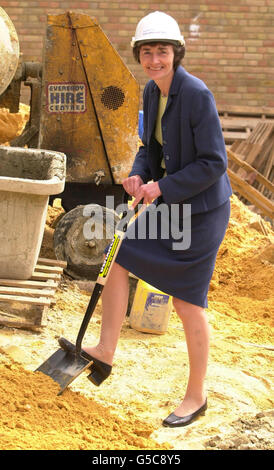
(193, 145)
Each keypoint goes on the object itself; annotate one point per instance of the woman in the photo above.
(182, 162)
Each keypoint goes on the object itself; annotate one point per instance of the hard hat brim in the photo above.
(158, 40)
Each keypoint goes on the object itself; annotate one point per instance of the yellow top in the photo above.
(158, 127)
(161, 110)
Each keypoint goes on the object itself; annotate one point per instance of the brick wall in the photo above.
(230, 43)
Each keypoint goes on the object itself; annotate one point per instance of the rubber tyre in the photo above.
(72, 242)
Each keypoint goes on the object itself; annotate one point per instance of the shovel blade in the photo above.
(63, 367)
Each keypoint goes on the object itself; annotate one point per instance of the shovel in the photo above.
(64, 366)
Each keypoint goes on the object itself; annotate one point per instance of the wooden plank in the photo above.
(232, 136)
(45, 276)
(238, 123)
(269, 163)
(251, 152)
(48, 269)
(261, 111)
(237, 146)
(263, 158)
(256, 149)
(16, 322)
(27, 283)
(27, 292)
(261, 133)
(252, 191)
(251, 194)
(25, 300)
(243, 164)
(52, 262)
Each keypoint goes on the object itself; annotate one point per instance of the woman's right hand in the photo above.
(132, 183)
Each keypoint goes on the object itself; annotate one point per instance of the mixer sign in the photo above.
(66, 97)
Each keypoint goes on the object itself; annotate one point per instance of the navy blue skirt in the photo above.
(182, 268)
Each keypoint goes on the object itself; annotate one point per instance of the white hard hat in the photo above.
(157, 26)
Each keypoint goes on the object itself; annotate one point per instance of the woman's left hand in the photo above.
(148, 192)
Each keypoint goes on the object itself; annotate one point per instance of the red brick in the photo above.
(233, 52)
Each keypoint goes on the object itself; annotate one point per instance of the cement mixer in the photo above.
(9, 51)
(84, 103)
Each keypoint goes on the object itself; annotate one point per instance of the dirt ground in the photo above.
(150, 371)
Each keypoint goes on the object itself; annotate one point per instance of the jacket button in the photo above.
(167, 157)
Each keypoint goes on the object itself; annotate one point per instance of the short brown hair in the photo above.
(179, 52)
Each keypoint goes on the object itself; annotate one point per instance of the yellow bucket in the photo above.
(150, 310)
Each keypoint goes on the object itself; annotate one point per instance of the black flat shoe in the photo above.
(174, 421)
(99, 370)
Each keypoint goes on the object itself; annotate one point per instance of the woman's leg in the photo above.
(196, 330)
(114, 308)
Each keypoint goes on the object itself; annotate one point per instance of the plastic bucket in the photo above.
(150, 310)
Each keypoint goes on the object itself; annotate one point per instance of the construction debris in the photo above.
(238, 121)
(249, 136)
(151, 370)
(258, 149)
(243, 178)
(24, 303)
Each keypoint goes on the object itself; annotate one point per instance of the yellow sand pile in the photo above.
(12, 124)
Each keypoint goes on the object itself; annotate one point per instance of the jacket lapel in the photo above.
(180, 73)
(152, 111)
